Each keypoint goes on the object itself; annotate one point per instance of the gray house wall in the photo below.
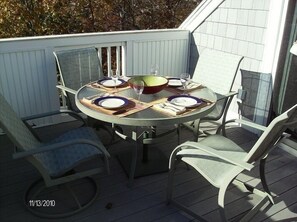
(238, 27)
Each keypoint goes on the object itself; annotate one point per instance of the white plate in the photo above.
(111, 102)
(110, 83)
(184, 100)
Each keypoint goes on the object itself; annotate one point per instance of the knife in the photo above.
(121, 111)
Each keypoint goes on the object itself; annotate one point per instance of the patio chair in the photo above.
(77, 67)
(219, 160)
(254, 101)
(56, 161)
(216, 70)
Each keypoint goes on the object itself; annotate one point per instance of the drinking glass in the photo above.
(114, 77)
(184, 78)
(138, 87)
(154, 69)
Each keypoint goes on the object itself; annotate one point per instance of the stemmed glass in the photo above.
(184, 78)
(114, 77)
(154, 69)
(138, 87)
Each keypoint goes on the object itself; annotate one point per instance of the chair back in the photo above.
(15, 128)
(78, 67)
(217, 70)
(272, 134)
(255, 96)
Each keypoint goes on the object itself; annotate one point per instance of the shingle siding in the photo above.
(236, 27)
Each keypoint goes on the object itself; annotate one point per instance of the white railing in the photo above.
(28, 69)
(119, 50)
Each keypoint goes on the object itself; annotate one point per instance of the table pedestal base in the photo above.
(157, 163)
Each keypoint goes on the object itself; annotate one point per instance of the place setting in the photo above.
(110, 84)
(179, 104)
(183, 83)
(117, 105)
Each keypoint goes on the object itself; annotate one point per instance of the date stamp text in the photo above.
(42, 203)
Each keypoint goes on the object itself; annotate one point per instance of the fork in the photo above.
(164, 106)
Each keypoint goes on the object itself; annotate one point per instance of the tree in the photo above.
(51, 17)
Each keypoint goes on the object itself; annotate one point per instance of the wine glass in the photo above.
(184, 78)
(114, 77)
(154, 69)
(138, 87)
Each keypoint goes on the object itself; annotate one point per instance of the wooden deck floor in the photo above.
(145, 201)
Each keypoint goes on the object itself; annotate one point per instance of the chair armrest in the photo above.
(223, 96)
(251, 124)
(243, 122)
(60, 145)
(57, 112)
(64, 88)
(218, 154)
(232, 93)
(247, 123)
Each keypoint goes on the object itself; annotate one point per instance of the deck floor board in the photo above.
(146, 200)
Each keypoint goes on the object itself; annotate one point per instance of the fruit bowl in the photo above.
(152, 84)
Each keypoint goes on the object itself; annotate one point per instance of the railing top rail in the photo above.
(88, 35)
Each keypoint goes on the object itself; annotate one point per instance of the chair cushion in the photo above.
(59, 161)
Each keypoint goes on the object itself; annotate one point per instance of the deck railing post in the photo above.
(124, 60)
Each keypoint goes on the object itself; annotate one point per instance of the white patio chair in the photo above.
(216, 70)
(219, 161)
(56, 160)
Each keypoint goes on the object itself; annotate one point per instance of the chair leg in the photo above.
(221, 199)
(133, 164)
(196, 131)
(178, 130)
(225, 115)
(74, 196)
(263, 179)
(170, 186)
(170, 181)
(265, 198)
(35, 194)
(113, 133)
(33, 203)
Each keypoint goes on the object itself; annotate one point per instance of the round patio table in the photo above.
(148, 117)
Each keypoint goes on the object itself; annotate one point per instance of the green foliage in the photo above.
(51, 17)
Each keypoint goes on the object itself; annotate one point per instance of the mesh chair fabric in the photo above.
(256, 96)
(77, 68)
(271, 135)
(16, 129)
(58, 161)
(217, 70)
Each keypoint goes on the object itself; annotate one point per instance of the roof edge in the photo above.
(200, 13)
